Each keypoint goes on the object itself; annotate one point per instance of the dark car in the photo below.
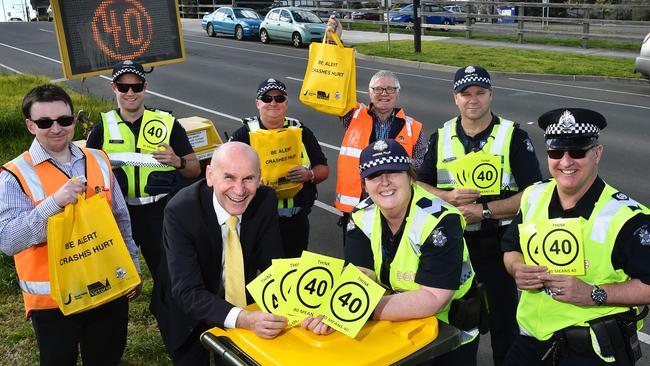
(405, 15)
(368, 14)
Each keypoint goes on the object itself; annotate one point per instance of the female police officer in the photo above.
(411, 242)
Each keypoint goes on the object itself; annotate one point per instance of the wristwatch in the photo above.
(599, 296)
(486, 211)
(183, 163)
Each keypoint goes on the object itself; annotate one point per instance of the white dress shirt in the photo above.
(222, 216)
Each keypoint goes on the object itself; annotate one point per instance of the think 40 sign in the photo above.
(93, 35)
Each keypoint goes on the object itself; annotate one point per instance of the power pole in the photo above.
(417, 28)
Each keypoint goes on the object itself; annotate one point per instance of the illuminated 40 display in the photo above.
(93, 35)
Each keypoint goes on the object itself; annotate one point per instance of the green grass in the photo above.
(13, 133)
(17, 341)
(504, 59)
(548, 40)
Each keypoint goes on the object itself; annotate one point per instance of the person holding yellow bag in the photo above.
(272, 103)
(380, 120)
(37, 185)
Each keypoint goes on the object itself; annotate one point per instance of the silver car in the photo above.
(642, 64)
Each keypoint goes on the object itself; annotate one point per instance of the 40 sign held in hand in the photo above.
(351, 301)
(315, 277)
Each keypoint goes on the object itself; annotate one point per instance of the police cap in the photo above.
(566, 128)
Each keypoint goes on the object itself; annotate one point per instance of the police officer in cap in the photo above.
(584, 276)
(146, 173)
(477, 130)
(410, 242)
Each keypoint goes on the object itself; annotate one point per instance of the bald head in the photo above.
(235, 151)
(234, 175)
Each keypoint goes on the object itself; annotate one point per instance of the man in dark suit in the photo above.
(195, 274)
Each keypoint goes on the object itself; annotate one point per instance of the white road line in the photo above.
(45, 30)
(643, 337)
(10, 69)
(296, 79)
(328, 208)
(30, 53)
(579, 87)
(436, 78)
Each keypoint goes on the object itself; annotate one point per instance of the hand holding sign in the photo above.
(350, 303)
(556, 244)
(478, 170)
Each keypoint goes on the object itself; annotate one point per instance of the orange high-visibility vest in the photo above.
(39, 182)
(357, 137)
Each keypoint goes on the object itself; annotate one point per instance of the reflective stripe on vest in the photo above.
(599, 233)
(34, 287)
(419, 225)
(31, 178)
(119, 144)
(39, 182)
(498, 147)
(357, 137)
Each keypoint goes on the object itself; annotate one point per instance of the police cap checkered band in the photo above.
(128, 67)
(471, 75)
(383, 155)
(571, 127)
(271, 84)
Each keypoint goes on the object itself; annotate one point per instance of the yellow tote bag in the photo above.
(89, 263)
(330, 82)
(279, 151)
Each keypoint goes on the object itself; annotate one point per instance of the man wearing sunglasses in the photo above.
(37, 185)
(272, 103)
(478, 133)
(583, 274)
(148, 149)
(380, 120)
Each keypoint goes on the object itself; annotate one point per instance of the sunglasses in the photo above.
(573, 153)
(45, 123)
(270, 98)
(124, 88)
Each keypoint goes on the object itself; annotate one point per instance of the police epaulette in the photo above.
(363, 204)
(544, 181)
(435, 208)
(248, 119)
(292, 122)
(157, 109)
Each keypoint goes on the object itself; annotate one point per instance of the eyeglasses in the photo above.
(124, 88)
(381, 90)
(45, 123)
(573, 153)
(269, 98)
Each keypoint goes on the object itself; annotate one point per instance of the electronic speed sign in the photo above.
(93, 35)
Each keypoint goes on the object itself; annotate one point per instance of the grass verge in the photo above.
(17, 341)
(548, 40)
(13, 134)
(506, 59)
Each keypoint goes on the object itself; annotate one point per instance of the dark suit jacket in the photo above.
(186, 298)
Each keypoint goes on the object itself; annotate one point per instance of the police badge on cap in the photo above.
(566, 128)
(471, 76)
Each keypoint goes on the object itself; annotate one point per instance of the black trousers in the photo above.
(295, 233)
(146, 226)
(99, 333)
(528, 351)
(487, 260)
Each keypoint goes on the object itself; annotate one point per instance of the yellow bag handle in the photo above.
(335, 37)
